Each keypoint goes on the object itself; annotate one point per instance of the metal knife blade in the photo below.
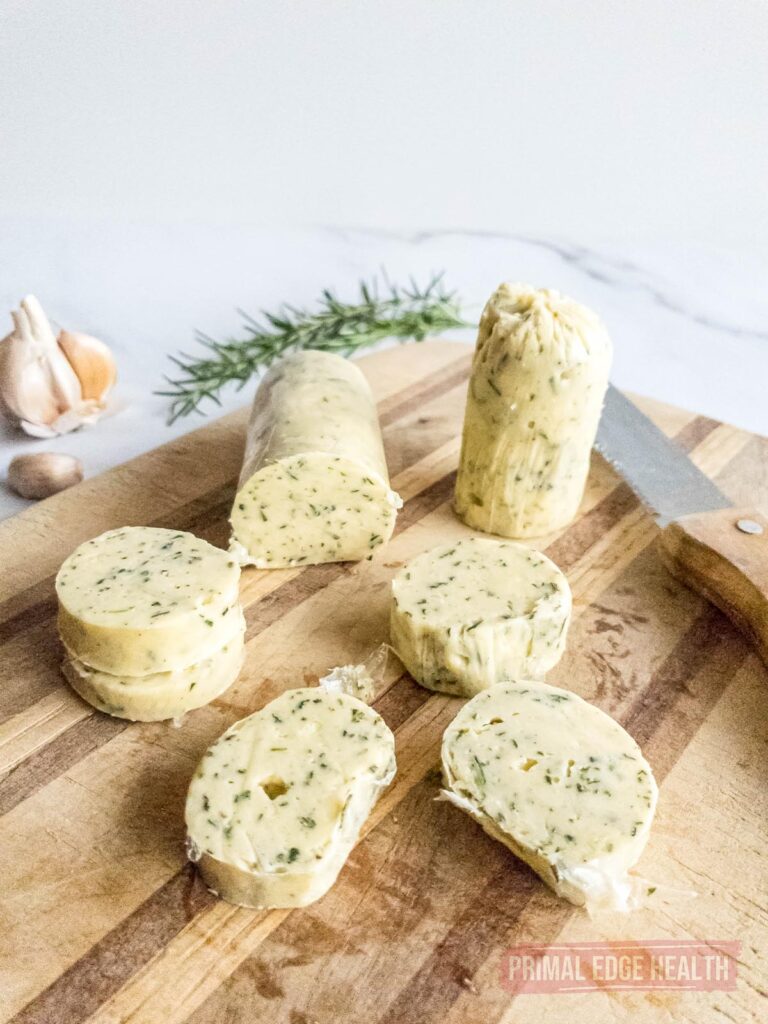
(657, 470)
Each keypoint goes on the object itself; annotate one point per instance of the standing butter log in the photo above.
(539, 377)
(314, 485)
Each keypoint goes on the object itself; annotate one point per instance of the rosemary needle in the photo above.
(335, 326)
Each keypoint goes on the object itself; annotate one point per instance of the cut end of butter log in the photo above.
(560, 783)
(314, 485)
(151, 622)
(277, 803)
(468, 615)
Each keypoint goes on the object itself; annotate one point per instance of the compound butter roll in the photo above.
(314, 485)
(538, 382)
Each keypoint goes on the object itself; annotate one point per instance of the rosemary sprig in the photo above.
(335, 326)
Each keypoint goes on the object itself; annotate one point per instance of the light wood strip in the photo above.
(27, 732)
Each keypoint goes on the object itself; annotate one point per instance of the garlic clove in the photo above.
(24, 385)
(92, 362)
(33, 326)
(43, 473)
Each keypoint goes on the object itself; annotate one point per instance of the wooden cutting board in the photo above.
(101, 919)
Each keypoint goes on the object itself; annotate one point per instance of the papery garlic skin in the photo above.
(50, 386)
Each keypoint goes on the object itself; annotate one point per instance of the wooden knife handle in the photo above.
(724, 556)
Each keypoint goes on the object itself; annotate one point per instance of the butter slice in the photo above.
(557, 781)
(139, 600)
(278, 801)
(468, 615)
(314, 485)
(157, 697)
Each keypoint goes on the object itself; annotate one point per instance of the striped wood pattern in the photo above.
(102, 920)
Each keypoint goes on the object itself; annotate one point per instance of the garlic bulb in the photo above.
(43, 473)
(49, 386)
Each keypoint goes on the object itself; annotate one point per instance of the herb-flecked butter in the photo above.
(161, 696)
(278, 801)
(539, 376)
(314, 485)
(467, 615)
(557, 781)
(140, 600)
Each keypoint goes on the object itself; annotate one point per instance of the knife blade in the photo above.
(658, 470)
(717, 549)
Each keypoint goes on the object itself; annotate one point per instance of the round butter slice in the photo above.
(557, 781)
(468, 615)
(278, 801)
(141, 600)
(314, 485)
(163, 695)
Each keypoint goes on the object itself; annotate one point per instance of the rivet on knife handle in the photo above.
(723, 555)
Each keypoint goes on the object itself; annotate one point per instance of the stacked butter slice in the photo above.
(151, 622)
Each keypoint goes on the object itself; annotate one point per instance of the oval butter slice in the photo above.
(278, 801)
(468, 615)
(557, 781)
(139, 600)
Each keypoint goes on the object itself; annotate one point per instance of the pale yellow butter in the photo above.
(557, 781)
(277, 803)
(539, 376)
(138, 600)
(314, 485)
(468, 615)
(157, 697)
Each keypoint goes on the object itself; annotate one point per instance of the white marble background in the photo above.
(162, 165)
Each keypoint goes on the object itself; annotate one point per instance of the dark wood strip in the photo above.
(400, 701)
(106, 967)
(686, 687)
(56, 757)
(41, 611)
(579, 538)
(693, 433)
(486, 923)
